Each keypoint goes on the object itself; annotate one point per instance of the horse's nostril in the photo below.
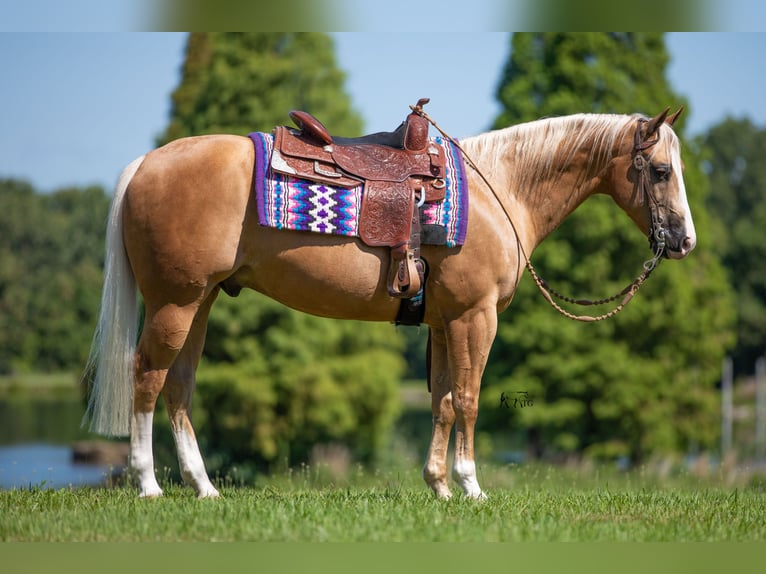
(688, 244)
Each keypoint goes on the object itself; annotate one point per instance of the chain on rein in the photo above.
(656, 232)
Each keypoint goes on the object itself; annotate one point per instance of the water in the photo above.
(46, 466)
(36, 434)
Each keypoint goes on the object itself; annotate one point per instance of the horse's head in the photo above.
(650, 186)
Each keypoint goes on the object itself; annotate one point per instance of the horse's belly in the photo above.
(323, 275)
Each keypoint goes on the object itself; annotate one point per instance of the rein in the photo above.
(656, 233)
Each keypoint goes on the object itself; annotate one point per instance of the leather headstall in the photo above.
(643, 165)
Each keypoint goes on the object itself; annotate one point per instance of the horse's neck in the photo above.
(551, 200)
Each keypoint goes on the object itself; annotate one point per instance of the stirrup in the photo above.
(404, 279)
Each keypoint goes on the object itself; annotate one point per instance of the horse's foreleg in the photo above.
(469, 340)
(435, 468)
(162, 338)
(177, 394)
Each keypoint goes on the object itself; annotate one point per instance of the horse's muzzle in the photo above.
(680, 249)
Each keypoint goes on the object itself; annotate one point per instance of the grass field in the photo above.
(525, 504)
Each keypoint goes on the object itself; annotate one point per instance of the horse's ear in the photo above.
(670, 120)
(654, 124)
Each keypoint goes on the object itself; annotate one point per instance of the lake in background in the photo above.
(37, 431)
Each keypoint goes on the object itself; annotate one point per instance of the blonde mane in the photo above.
(541, 150)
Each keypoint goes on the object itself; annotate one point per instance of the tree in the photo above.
(238, 83)
(734, 163)
(50, 275)
(641, 383)
(557, 74)
(273, 381)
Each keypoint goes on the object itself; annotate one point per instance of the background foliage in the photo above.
(282, 382)
(51, 256)
(238, 83)
(734, 162)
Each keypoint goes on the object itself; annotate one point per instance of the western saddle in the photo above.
(400, 171)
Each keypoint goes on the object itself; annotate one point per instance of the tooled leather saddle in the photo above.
(400, 171)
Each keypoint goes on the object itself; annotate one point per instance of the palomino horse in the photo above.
(184, 220)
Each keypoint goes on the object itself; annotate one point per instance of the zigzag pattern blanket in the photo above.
(285, 202)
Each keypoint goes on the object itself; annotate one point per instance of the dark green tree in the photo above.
(554, 74)
(735, 150)
(642, 383)
(273, 382)
(51, 252)
(238, 83)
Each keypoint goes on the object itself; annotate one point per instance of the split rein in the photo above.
(656, 234)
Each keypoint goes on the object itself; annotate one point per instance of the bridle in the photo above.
(642, 165)
(644, 187)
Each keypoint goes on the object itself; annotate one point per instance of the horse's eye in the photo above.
(661, 172)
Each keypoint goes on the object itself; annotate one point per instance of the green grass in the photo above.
(525, 504)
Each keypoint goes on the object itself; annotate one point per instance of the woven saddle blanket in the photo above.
(285, 202)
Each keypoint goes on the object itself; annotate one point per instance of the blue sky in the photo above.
(76, 108)
(352, 15)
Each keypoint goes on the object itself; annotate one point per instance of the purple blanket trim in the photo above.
(285, 202)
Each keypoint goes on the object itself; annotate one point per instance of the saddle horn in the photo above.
(311, 127)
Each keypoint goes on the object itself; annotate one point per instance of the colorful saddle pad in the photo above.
(285, 202)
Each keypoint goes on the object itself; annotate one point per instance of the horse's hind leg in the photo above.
(162, 338)
(177, 393)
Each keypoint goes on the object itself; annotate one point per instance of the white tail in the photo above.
(111, 363)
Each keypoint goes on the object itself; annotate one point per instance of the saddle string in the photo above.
(548, 292)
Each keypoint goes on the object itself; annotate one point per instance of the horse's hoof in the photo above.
(442, 492)
(209, 493)
(150, 493)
